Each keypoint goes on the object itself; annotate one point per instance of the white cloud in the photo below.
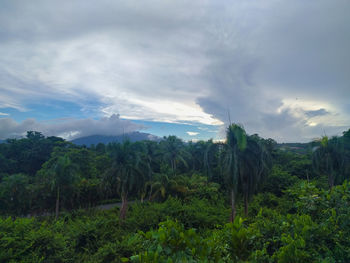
(4, 114)
(68, 128)
(192, 133)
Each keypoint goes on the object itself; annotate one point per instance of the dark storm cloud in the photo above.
(281, 68)
(290, 51)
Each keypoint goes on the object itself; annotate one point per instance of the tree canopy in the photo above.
(247, 199)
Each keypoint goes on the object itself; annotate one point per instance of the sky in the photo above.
(184, 68)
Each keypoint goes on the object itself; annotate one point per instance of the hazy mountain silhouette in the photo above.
(132, 136)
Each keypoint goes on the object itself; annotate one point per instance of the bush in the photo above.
(172, 243)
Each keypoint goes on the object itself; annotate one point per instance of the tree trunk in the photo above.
(173, 166)
(124, 207)
(331, 181)
(71, 203)
(233, 206)
(57, 202)
(150, 193)
(330, 173)
(246, 205)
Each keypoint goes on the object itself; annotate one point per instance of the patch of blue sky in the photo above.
(52, 109)
(56, 110)
(185, 131)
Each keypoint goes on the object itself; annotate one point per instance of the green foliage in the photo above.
(27, 155)
(306, 197)
(237, 239)
(292, 250)
(174, 152)
(278, 180)
(184, 207)
(197, 213)
(236, 136)
(317, 230)
(172, 243)
(15, 194)
(26, 240)
(328, 158)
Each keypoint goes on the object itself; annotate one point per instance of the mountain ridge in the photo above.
(105, 139)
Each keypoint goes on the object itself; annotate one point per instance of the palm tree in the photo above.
(253, 166)
(149, 153)
(153, 155)
(197, 151)
(242, 162)
(161, 186)
(15, 194)
(328, 157)
(213, 154)
(126, 170)
(346, 142)
(236, 143)
(61, 173)
(174, 152)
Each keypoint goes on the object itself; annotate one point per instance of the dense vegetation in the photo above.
(245, 200)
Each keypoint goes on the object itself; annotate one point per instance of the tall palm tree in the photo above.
(244, 164)
(126, 169)
(253, 166)
(236, 143)
(346, 142)
(153, 155)
(148, 153)
(213, 154)
(328, 157)
(197, 152)
(61, 173)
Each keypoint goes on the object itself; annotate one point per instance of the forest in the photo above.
(246, 199)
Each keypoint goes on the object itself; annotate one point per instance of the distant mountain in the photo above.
(301, 148)
(1, 141)
(132, 136)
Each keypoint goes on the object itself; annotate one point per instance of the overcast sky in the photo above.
(76, 68)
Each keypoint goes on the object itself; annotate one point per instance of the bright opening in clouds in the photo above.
(192, 133)
(280, 68)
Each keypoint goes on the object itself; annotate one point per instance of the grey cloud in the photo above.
(66, 19)
(289, 50)
(242, 57)
(67, 128)
(80, 49)
(305, 50)
(284, 125)
(9, 128)
(314, 113)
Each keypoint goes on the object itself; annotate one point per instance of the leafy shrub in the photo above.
(172, 243)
